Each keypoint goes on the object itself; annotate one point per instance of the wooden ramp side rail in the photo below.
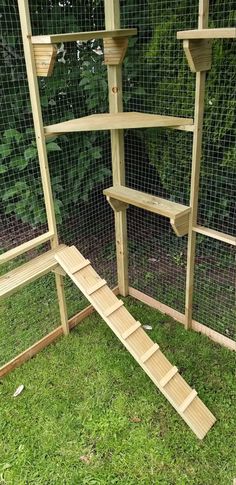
(137, 342)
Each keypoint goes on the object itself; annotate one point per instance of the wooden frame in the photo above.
(41, 146)
(27, 246)
(195, 176)
(112, 21)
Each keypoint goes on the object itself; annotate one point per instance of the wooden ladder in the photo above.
(138, 343)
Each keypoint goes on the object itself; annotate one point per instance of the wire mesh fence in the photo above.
(156, 79)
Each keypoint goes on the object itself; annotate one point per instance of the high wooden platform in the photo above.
(177, 213)
(82, 36)
(129, 331)
(28, 272)
(117, 121)
(225, 33)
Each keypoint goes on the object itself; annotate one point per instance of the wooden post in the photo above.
(112, 17)
(196, 163)
(41, 146)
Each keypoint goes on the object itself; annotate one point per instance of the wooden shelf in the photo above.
(177, 213)
(117, 121)
(229, 33)
(83, 36)
(28, 272)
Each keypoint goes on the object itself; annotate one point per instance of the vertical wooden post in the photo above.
(41, 146)
(196, 163)
(112, 17)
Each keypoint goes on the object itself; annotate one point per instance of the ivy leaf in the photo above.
(30, 153)
(5, 150)
(19, 163)
(53, 147)
(12, 134)
(3, 169)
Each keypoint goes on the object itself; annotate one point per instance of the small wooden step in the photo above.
(149, 353)
(186, 403)
(177, 213)
(117, 121)
(118, 304)
(28, 272)
(169, 375)
(225, 33)
(131, 330)
(82, 36)
(96, 287)
(81, 266)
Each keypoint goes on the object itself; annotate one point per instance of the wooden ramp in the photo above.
(147, 353)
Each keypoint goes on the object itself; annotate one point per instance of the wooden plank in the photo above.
(117, 305)
(41, 143)
(115, 50)
(205, 33)
(131, 330)
(168, 376)
(28, 272)
(199, 54)
(195, 173)
(47, 340)
(147, 355)
(180, 317)
(114, 73)
(97, 286)
(27, 246)
(200, 419)
(116, 120)
(220, 236)
(45, 58)
(81, 266)
(148, 202)
(189, 399)
(83, 36)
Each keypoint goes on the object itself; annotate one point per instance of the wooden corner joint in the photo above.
(114, 50)
(117, 205)
(45, 57)
(199, 54)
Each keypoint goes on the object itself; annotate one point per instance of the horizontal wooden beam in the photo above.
(220, 236)
(225, 33)
(82, 36)
(180, 317)
(27, 246)
(47, 340)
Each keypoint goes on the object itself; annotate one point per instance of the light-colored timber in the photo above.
(177, 213)
(28, 272)
(115, 50)
(116, 121)
(27, 246)
(199, 54)
(131, 330)
(195, 171)
(216, 337)
(220, 236)
(31, 69)
(47, 340)
(204, 33)
(45, 58)
(82, 36)
(197, 416)
(115, 95)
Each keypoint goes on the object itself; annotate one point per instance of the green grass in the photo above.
(81, 394)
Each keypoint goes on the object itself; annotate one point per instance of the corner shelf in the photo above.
(83, 36)
(227, 33)
(119, 121)
(177, 213)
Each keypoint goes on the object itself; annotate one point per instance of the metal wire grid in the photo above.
(22, 212)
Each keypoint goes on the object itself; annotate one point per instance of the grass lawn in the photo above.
(90, 415)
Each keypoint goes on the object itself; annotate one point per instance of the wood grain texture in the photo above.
(138, 343)
(45, 58)
(199, 54)
(202, 33)
(82, 36)
(115, 50)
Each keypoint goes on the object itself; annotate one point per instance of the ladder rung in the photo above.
(149, 353)
(169, 375)
(131, 330)
(96, 287)
(80, 266)
(113, 308)
(189, 399)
